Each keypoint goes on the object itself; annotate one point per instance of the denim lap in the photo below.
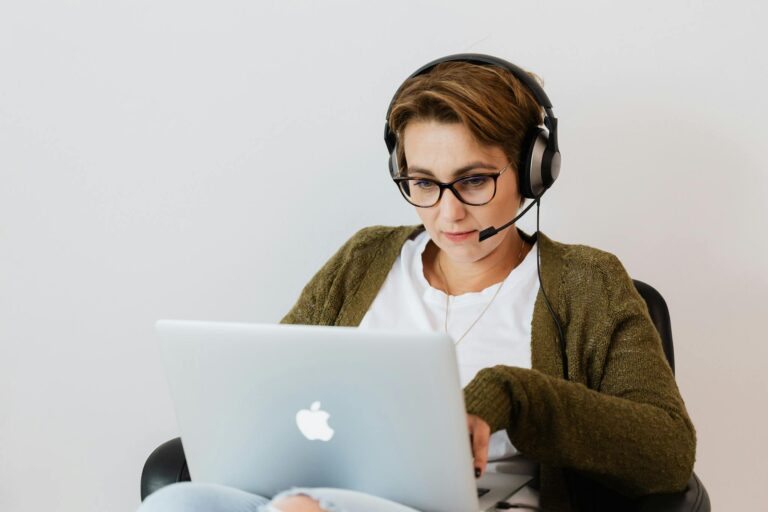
(210, 497)
(201, 496)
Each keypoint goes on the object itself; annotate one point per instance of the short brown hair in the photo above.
(496, 107)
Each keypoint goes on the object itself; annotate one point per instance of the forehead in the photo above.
(431, 143)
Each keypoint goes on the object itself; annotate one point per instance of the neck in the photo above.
(458, 278)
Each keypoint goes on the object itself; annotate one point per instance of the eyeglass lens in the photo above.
(473, 190)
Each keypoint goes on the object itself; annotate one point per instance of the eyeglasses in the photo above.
(474, 190)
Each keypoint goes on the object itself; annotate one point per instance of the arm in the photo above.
(339, 279)
(315, 299)
(632, 432)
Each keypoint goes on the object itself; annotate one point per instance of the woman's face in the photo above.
(446, 151)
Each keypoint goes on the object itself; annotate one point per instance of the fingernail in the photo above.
(477, 472)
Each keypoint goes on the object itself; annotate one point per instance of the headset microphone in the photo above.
(489, 232)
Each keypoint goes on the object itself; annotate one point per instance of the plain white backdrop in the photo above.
(143, 152)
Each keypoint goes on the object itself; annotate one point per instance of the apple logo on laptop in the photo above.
(313, 423)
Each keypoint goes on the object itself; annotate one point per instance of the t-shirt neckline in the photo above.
(434, 295)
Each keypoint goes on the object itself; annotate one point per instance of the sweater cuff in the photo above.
(488, 397)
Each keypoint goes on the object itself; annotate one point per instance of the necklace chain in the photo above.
(448, 293)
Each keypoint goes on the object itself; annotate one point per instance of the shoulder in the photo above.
(378, 233)
(579, 256)
(379, 240)
(358, 264)
(579, 266)
(370, 248)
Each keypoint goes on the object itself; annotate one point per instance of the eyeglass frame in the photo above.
(442, 186)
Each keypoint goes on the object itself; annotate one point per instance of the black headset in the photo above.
(539, 164)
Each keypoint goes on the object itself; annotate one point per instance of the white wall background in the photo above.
(140, 144)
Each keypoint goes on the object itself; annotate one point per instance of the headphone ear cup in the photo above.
(524, 169)
(394, 166)
(540, 165)
(391, 141)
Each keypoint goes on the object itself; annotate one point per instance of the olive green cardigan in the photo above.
(619, 419)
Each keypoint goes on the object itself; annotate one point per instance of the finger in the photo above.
(470, 427)
(480, 439)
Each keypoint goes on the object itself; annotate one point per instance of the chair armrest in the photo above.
(166, 465)
(693, 499)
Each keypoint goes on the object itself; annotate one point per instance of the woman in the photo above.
(601, 415)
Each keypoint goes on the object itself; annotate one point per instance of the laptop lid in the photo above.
(267, 407)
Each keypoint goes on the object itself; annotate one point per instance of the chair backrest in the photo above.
(659, 312)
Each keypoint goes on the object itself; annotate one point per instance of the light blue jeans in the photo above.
(209, 497)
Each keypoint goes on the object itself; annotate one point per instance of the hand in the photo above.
(479, 435)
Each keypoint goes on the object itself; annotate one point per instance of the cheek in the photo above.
(512, 193)
(426, 215)
(507, 200)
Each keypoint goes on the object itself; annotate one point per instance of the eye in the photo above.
(475, 181)
(423, 184)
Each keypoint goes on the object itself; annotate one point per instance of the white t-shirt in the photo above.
(502, 336)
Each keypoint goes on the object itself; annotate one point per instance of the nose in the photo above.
(451, 209)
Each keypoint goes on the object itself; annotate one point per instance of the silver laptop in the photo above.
(266, 407)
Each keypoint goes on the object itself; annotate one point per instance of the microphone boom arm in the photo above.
(489, 232)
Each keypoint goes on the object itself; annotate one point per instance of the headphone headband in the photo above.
(482, 59)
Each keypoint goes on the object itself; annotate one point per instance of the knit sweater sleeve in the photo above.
(323, 297)
(631, 432)
(317, 296)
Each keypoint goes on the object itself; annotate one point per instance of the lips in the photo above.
(458, 236)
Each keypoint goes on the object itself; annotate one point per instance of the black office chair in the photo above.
(167, 464)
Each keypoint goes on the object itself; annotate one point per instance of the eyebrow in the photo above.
(457, 172)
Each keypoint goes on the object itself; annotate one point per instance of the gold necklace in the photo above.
(447, 293)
